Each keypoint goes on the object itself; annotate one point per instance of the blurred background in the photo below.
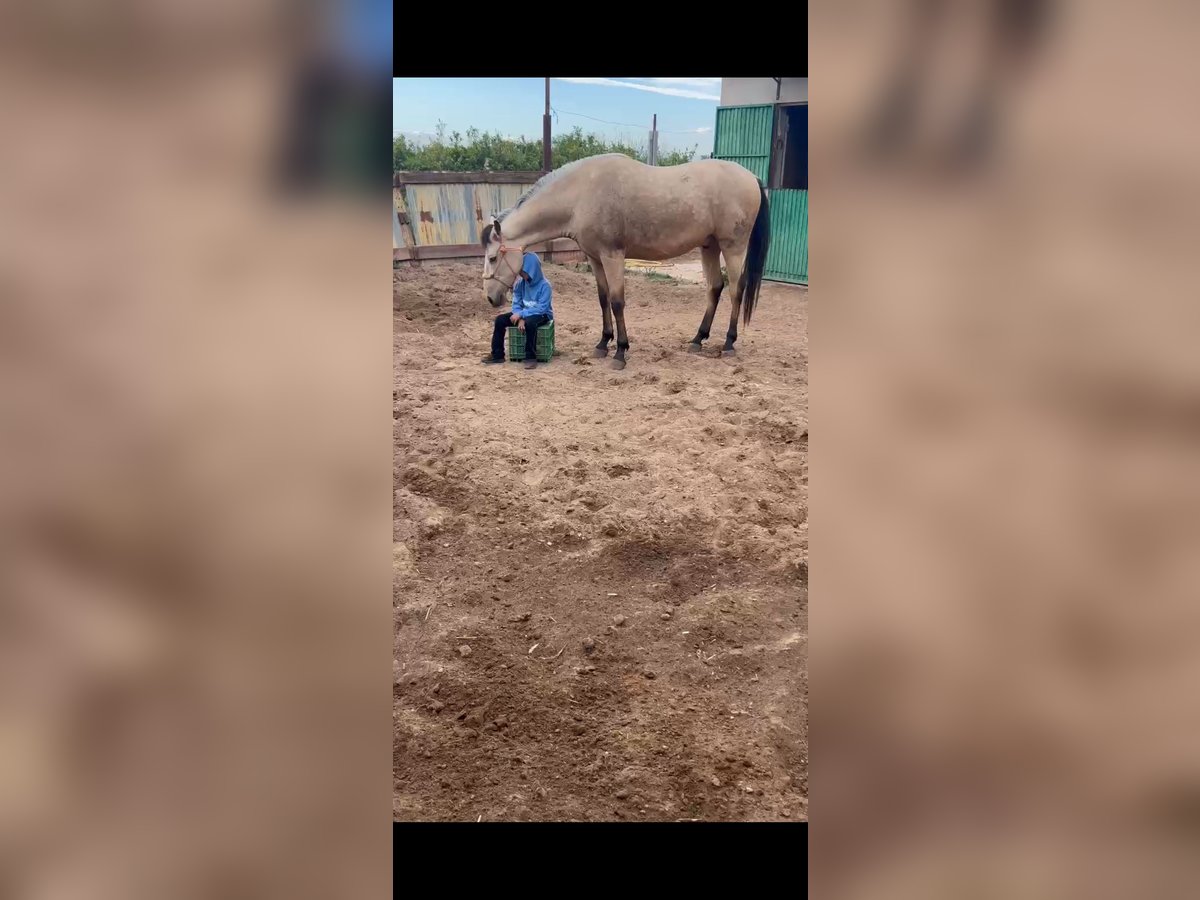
(1005, 496)
(193, 512)
(196, 480)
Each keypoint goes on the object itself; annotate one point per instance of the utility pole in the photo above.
(653, 154)
(546, 131)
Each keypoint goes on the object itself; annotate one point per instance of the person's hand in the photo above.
(515, 319)
(521, 325)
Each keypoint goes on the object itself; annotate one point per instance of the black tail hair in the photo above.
(756, 255)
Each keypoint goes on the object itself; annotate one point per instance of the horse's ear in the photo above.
(496, 225)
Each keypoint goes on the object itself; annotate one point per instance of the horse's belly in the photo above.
(666, 249)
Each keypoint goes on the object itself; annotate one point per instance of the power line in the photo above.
(594, 119)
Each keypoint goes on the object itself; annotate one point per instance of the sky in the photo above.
(686, 107)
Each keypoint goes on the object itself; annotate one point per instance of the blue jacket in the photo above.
(532, 298)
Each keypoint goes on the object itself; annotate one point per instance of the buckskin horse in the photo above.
(615, 207)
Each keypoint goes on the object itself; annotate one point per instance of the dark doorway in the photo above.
(791, 163)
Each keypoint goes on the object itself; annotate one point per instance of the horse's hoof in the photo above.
(728, 351)
(694, 348)
(600, 352)
(618, 364)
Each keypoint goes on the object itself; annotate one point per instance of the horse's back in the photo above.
(658, 212)
(704, 168)
(717, 178)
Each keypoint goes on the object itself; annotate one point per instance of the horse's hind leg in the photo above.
(614, 273)
(735, 259)
(710, 254)
(602, 288)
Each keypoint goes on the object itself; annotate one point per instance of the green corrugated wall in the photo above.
(787, 257)
(743, 135)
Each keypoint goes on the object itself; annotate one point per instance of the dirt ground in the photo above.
(600, 577)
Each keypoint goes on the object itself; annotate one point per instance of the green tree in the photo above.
(675, 157)
(477, 150)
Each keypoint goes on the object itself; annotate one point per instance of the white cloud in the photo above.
(652, 88)
(690, 82)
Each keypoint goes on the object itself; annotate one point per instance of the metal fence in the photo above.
(439, 215)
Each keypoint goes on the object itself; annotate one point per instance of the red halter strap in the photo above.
(504, 250)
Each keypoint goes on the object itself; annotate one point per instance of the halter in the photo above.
(504, 250)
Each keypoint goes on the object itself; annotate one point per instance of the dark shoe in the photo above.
(492, 360)
(531, 363)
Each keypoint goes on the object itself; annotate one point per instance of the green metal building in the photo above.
(762, 123)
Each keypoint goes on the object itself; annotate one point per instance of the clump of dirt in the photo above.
(600, 577)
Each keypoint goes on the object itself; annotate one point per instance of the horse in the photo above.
(614, 206)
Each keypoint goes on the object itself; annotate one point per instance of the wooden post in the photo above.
(406, 228)
(546, 131)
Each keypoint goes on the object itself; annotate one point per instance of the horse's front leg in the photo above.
(614, 273)
(606, 334)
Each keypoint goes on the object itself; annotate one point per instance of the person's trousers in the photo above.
(504, 322)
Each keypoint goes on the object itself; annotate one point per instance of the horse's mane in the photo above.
(551, 177)
(540, 185)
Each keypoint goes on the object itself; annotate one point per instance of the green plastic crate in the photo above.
(545, 343)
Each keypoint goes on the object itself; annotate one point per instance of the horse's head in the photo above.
(501, 264)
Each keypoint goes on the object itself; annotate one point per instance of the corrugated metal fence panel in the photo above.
(495, 198)
(743, 135)
(787, 257)
(443, 214)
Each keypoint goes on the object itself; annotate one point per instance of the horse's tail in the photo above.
(756, 255)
